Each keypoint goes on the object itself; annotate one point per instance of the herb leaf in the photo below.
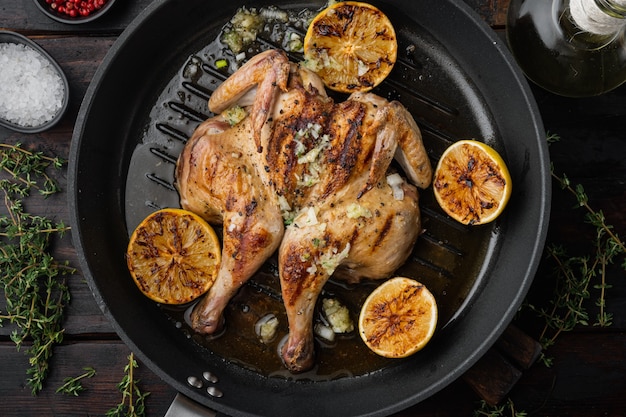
(579, 278)
(132, 404)
(32, 280)
(73, 386)
(504, 410)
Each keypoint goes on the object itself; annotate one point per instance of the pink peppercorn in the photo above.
(74, 8)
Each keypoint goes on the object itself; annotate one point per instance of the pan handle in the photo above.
(183, 406)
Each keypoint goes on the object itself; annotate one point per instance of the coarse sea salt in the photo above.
(31, 88)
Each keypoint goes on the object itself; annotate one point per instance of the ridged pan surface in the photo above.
(455, 77)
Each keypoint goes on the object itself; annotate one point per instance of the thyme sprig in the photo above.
(133, 399)
(27, 167)
(34, 290)
(505, 410)
(73, 385)
(578, 277)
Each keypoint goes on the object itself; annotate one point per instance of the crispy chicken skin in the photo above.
(321, 167)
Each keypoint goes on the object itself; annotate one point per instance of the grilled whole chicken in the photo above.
(307, 176)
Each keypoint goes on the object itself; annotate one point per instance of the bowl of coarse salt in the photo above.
(34, 91)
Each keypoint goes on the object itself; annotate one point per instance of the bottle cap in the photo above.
(599, 17)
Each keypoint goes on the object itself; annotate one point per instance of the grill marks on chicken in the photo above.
(345, 145)
(218, 178)
(298, 109)
(320, 164)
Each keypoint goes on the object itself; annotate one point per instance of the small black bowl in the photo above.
(12, 37)
(64, 18)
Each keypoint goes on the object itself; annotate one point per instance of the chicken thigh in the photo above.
(307, 176)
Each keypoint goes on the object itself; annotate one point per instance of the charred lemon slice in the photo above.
(472, 183)
(398, 318)
(173, 256)
(351, 45)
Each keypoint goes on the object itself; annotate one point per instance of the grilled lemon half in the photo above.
(398, 318)
(351, 45)
(472, 182)
(173, 256)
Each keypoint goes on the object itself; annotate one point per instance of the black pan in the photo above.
(459, 81)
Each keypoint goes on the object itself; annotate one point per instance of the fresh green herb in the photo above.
(22, 165)
(221, 63)
(295, 43)
(578, 278)
(73, 386)
(242, 29)
(234, 115)
(132, 404)
(505, 410)
(34, 290)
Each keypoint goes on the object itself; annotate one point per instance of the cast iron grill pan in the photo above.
(156, 112)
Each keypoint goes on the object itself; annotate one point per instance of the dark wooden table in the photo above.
(588, 377)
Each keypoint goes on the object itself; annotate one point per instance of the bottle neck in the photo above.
(600, 17)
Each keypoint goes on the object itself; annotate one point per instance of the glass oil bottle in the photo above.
(574, 48)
